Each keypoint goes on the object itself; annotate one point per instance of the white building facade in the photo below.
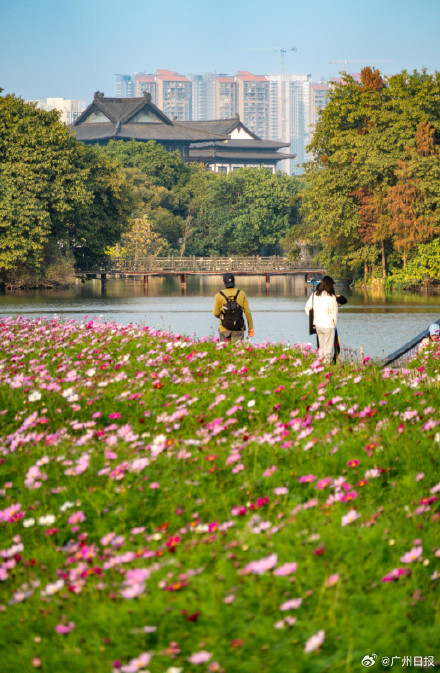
(289, 105)
(70, 109)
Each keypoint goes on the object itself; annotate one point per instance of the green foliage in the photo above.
(140, 241)
(367, 144)
(246, 212)
(165, 169)
(52, 188)
(423, 267)
(199, 212)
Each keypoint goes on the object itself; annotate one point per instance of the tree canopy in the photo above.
(53, 189)
(372, 187)
(246, 212)
(198, 212)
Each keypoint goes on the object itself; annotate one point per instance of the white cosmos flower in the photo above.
(251, 403)
(52, 589)
(34, 396)
(66, 505)
(46, 520)
(67, 392)
(91, 371)
(27, 523)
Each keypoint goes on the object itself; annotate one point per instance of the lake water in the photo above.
(379, 322)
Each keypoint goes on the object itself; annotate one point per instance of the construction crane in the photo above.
(282, 51)
(362, 60)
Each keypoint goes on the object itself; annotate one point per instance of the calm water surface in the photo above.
(378, 322)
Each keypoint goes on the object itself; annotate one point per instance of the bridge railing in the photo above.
(405, 352)
(151, 264)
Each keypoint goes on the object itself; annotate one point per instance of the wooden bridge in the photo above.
(151, 266)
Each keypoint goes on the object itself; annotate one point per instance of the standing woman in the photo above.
(325, 309)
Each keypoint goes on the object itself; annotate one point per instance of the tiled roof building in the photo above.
(224, 145)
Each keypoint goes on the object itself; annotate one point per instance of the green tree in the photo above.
(55, 194)
(414, 201)
(246, 212)
(164, 169)
(361, 136)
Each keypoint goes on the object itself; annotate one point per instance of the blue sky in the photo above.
(71, 48)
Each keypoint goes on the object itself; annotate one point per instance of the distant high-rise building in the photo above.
(290, 116)
(143, 82)
(173, 94)
(283, 107)
(124, 86)
(253, 101)
(225, 97)
(170, 91)
(318, 100)
(203, 96)
(70, 109)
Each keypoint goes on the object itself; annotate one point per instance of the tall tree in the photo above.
(246, 212)
(361, 136)
(414, 201)
(54, 192)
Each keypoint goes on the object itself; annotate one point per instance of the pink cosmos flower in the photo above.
(332, 580)
(64, 628)
(351, 516)
(395, 574)
(281, 490)
(315, 642)
(307, 478)
(262, 565)
(3, 574)
(411, 555)
(135, 665)
(269, 472)
(77, 517)
(229, 599)
(154, 485)
(200, 657)
(323, 483)
(116, 415)
(292, 604)
(133, 591)
(353, 463)
(285, 569)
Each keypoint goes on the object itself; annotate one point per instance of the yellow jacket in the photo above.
(230, 292)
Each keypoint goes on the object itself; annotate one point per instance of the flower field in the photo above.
(175, 506)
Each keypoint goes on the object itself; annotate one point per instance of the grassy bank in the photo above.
(180, 506)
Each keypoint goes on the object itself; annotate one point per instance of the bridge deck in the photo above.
(173, 266)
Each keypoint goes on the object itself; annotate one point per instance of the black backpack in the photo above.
(231, 317)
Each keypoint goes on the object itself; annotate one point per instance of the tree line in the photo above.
(372, 196)
(368, 204)
(62, 201)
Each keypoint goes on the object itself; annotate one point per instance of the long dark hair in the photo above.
(326, 285)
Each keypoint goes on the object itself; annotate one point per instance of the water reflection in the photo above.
(278, 316)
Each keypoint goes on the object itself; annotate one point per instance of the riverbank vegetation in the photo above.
(368, 203)
(372, 197)
(194, 211)
(59, 200)
(171, 505)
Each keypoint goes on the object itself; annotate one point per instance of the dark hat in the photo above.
(341, 299)
(228, 279)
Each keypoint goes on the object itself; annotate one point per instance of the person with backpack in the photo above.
(229, 305)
